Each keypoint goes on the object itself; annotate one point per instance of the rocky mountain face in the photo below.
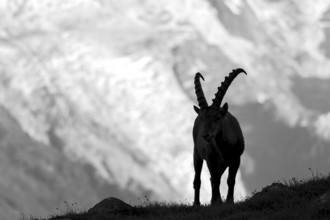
(96, 96)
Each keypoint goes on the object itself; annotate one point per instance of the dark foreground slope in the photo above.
(294, 199)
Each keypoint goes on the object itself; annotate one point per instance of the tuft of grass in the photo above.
(72, 211)
(292, 199)
(24, 217)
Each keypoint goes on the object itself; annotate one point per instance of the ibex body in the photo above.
(218, 140)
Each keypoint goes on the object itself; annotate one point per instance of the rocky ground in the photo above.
(295, 199)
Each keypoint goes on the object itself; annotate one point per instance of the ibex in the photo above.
(218, 140)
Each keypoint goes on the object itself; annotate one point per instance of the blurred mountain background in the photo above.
(96, 96)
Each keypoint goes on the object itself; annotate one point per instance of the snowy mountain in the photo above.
(96, 96)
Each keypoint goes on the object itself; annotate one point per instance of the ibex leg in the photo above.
(216, 173)
(233, 168)
(198, 164)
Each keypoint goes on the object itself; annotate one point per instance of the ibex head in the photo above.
(213, 115)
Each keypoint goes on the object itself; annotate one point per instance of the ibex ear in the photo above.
(224, 109)
(196, 109)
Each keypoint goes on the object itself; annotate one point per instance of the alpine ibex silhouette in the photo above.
(218, 140)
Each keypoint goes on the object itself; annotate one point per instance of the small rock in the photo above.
(325, 198)
(111, 205)
(323, 203)
(275, 187)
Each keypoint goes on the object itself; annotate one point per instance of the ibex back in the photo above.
(218, 140)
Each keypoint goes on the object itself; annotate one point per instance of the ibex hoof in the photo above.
(197, 204)
(217, 202)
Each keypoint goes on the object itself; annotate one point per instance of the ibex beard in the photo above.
(218, 139)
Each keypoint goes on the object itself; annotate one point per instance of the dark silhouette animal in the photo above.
(218, 140)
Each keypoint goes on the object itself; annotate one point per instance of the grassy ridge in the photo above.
(293, 199)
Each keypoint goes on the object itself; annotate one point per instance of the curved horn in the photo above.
(224, 86)
(199, 92)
